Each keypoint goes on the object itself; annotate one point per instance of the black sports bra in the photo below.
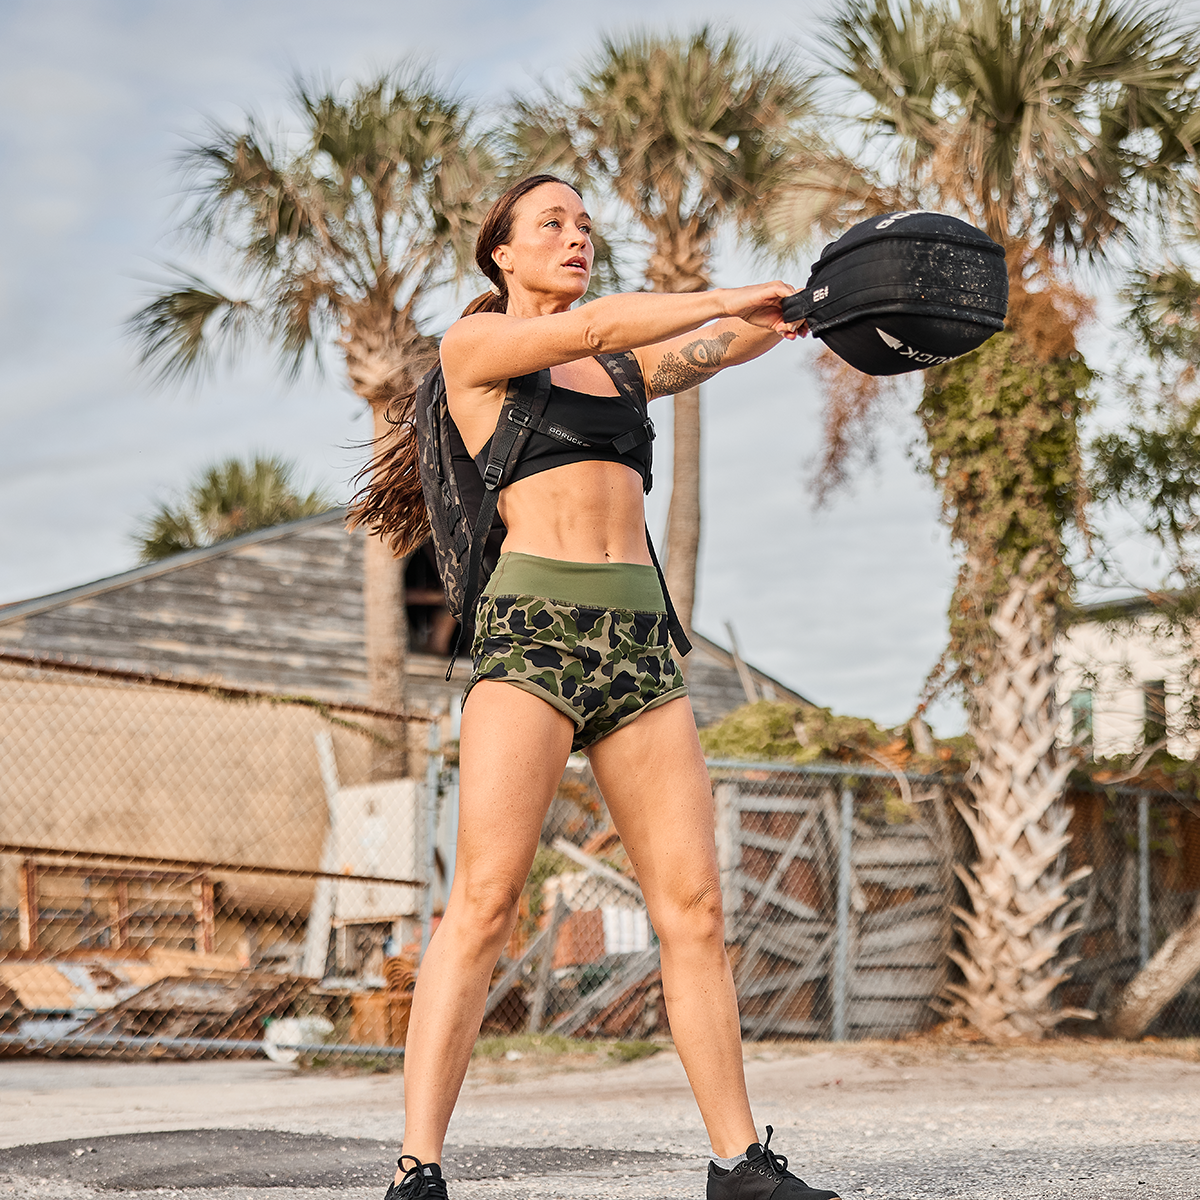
(581, 427)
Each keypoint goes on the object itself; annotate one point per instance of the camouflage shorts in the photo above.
(602, 667)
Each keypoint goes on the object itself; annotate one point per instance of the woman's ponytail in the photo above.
(487, 301)
(390, 503)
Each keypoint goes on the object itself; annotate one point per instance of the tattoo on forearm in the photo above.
(694, 363)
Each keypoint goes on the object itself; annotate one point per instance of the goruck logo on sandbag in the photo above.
(892, 218)
(918, 358)
(905, 291)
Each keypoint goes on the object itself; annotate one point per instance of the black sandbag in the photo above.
(905, 291)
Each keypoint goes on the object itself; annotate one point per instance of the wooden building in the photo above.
(282, 610)
(100, 760)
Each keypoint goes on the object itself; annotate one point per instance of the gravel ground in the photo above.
(888, 1121)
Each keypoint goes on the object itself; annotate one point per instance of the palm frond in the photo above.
(690, 131)
(304, 311)
(895, 56)
(245, 183)
(184, 330)
(166, 533)
(822, 200)
(1061, 123)
(544, 135)
(225, 500)
(405, 170)
(366, 205)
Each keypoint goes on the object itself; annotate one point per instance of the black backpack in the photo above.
(467, 532)
(905, 291)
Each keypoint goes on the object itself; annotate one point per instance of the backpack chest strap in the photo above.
(622, 443)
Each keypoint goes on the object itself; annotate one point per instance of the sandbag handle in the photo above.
(798, 306)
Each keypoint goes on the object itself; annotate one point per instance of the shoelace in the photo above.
(424, 1185)
(777, 1162)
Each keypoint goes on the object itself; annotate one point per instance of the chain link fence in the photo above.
(182, 867)
(1144, 851)
(191, 870)
(837, 887)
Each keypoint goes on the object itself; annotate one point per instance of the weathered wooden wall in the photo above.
(778, 841)
(280, 610)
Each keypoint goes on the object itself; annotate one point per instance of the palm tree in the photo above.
(1153, 469)
(341, 233)
(225, 500)
(1062, 127)
(692, 134)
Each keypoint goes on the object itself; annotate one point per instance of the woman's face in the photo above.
(550, 251)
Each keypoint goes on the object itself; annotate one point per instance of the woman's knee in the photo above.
(693, 913)
(485, 910)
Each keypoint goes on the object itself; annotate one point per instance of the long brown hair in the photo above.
(390, 503)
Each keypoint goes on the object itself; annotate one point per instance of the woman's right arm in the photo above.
(480, 350)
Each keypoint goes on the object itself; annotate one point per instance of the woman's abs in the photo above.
(581, 512)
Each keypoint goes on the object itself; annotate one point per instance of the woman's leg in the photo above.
(513, 751)
(653, 778)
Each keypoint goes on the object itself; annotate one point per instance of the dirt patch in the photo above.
(932, 1049)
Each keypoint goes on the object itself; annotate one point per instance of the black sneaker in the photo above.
(422, 1181)
(763, 1176)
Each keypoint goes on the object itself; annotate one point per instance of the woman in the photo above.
(576, 554)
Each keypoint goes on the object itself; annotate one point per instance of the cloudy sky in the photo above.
(99, 96)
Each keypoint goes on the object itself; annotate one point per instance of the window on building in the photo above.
(1081, 717)
(1154, 700)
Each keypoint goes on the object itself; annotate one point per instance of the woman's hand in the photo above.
(759, 304)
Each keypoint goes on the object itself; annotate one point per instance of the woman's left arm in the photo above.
(683, 362)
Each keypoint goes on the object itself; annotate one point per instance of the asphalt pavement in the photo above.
(888, 1123)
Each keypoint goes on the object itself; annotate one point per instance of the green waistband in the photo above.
(629, 586)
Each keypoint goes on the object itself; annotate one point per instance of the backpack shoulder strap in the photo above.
(674, 624)
(626, 373)
(523, 408)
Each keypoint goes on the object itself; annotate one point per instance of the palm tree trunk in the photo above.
(1158, 982)
(386, 622)
(680, 264)
(1018, 888)
(385, 355)
(683, 518)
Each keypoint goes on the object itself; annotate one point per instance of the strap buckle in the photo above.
(634, 438)
(521, 416)
(492, 474)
